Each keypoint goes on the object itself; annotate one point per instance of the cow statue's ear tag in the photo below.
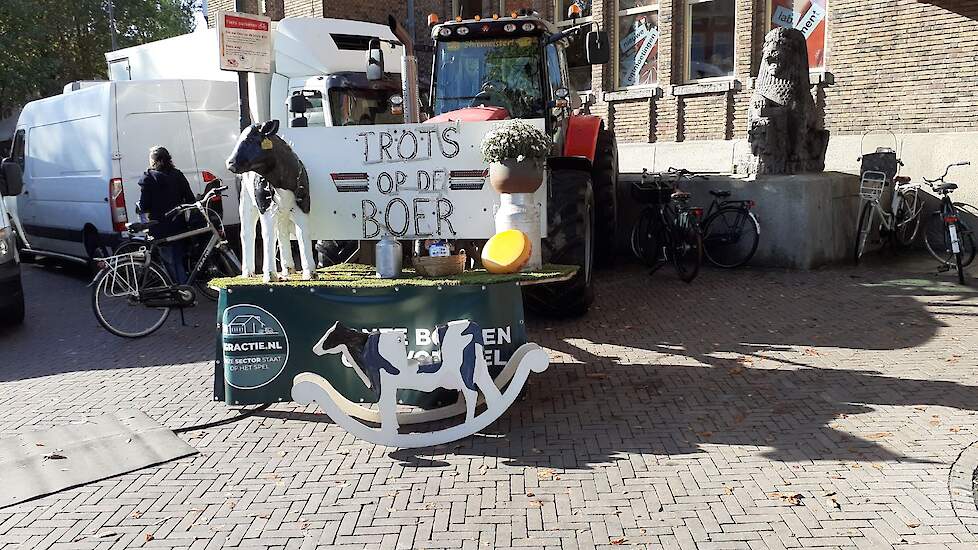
(266, 144)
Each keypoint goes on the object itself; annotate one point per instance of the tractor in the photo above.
(516, 67)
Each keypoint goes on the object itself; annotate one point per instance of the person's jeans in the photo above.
(174, 256)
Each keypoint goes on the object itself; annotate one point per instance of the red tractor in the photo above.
(519, 65)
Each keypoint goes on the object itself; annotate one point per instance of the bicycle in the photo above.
(901, 223)
(730, 230)
(947, 236)
(216, 266)
(133, 294)
(669, 231)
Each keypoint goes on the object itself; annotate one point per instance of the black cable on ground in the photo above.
(242, 416)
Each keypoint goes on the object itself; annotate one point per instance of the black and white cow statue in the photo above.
(281, 194)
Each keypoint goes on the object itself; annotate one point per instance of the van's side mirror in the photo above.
(298, 103)
(375, 60)
(597, 48)
(12, 182)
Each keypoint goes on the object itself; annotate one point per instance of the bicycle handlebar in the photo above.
(947, 170)
(199, 204)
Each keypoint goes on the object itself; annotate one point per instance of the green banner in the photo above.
(266, 334)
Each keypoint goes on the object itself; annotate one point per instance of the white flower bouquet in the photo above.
(517, 140)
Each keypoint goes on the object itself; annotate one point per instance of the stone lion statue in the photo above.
(782, 124)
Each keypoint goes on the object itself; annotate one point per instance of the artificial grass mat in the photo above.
(364, 276)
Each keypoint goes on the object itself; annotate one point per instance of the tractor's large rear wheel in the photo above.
(570, 241)
(604, 178)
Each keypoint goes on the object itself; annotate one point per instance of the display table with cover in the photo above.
(385, 351)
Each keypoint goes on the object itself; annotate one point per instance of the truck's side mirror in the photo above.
(597, 48)
(12, 180)
(298, 103)
(375, 60)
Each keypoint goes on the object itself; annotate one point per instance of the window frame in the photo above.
(563, 24)
(618, 13)
(688, 45)
(817, 71)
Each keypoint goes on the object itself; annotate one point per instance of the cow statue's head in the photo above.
(255, 149)
(366, 353)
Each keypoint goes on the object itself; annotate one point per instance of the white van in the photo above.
(83, 152)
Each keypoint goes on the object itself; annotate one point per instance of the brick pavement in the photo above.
(673, 416)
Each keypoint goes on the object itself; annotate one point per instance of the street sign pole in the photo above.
(244, 103)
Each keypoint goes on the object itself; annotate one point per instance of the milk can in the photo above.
(388, 257)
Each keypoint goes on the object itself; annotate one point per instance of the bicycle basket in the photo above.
(651, 192)
(871, 185)
(883, 161)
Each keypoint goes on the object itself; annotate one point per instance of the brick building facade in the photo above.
(677, 88)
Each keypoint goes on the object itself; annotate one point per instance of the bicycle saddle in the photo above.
(139, 227)
(945, 187)
(902, 179)
(720, 194)
(680, 195)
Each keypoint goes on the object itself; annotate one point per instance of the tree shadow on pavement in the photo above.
(667, 368)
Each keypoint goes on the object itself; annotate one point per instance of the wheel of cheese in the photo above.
(506, 252)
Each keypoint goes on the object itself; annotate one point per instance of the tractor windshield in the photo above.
(500, 72)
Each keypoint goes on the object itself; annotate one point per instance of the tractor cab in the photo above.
(516, 63)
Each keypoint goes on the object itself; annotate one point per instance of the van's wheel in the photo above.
(604, 177)
(570, 241)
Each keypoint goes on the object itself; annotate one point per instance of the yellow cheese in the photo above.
(506, 252)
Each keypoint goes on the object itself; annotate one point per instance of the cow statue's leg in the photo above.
(471, 400)
(483, 381)
(301, 220)
(248, 214)
(284, 230)
(269, 237)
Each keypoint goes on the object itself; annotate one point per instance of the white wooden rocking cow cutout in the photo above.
(380, 361)
(281, 193)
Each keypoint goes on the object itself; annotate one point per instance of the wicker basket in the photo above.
(440, 266)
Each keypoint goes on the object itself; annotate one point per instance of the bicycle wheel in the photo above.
(863, 230)
(938, 241)
(686, 249)
(643, 238)
(114, 299)
(217, 265)
(908, 218)
(730, 237)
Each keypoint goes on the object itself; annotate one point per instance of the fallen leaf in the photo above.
(791, 499)
(530, 494)
(920, 408)
(954, 429)
(545, 473)
(812, 352)
(705, 435)
(832, 503)
(738, 418)
(735, 371)
(913, 525)
(54, 456)
(137, 514)
(618, 541)
(727, 491)
(879, 435)
(149, 537)
(596, 375)
(536, 503)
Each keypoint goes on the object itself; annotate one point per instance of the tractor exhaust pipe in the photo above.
(409, 72)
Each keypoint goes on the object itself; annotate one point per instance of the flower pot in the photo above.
(516, 176)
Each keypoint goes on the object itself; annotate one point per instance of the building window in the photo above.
(809, 17)
(638, 43)
(579, 70)
(709, 39)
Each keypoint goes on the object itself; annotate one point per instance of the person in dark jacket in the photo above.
(162, 188)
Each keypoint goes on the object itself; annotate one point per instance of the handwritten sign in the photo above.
(411, 180)
(245, 42)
